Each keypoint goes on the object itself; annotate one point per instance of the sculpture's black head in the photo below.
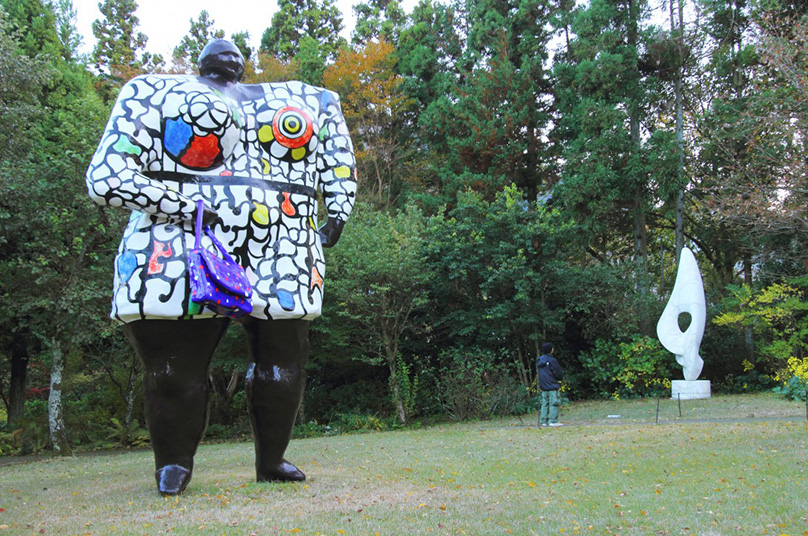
(221, 59)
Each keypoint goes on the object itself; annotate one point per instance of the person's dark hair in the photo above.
(546, 348)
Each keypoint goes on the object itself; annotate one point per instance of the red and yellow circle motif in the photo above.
(291, 127)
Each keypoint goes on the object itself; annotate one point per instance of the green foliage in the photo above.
(380, 285)
(35, 21)
(778, 317)
(495, 269)
(296, 20)
(201, 32)
(490, 120)
(408, 384)
(474, 383)
(344, 423)
(378, 19)
(794, 388)
(749, 381)
(242, 41)
(119, 49)
(640, 367)
(129, 436)
(546, 185)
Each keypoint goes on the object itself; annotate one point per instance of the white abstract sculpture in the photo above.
(687, 297)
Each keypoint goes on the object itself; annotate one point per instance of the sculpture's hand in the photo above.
(209, 216)
(330, 232)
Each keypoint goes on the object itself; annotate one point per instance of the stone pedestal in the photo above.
(688, 390)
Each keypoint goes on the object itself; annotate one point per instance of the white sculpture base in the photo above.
(689, 390)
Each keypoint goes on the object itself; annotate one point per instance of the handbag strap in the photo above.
(219, 245)
(200, 208)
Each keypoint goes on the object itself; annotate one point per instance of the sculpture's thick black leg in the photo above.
(176, 356)
(276, 379)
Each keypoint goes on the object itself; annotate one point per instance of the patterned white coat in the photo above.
(258, 154)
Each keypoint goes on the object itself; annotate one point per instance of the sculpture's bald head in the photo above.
(221, 59)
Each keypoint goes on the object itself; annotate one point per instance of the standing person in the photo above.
(550, 373)
(257, 155)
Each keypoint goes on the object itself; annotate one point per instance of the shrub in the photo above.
(778, 316)
(640, 367)
(474, 384)
(794, 379)
(344, 423)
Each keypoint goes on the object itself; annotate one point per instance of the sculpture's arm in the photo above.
(336, 167)
(131, 143)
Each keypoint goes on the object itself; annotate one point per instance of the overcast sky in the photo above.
(166, 21)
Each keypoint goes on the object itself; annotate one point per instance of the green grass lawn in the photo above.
(683, 476)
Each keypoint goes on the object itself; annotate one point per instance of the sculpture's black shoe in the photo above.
(284, 472)
(172, 479)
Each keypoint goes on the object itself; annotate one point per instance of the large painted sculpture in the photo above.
(687, 297)
(257, 155)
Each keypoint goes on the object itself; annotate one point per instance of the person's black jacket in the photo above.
(549, 373)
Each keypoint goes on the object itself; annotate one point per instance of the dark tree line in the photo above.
(529, 171)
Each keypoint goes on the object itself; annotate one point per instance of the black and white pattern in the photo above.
(258, 155)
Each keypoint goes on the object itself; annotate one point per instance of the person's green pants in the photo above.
(550, 402)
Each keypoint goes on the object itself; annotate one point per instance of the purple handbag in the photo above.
(219, 284)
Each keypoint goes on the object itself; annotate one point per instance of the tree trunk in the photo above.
(395, 386)
(680, 197)
(58, 431)
(749, 334)
(19, 373)
(641, 253)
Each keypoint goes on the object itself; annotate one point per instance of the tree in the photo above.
(200, 34)
(242, 41)
(270, 68)
(619, 165)
(51, 241)
(491, 121)
(309, 61)
(777, 314)
(22, 80)
(35, 22)
(428, 49)
(373, 104)
(295, 20)
(752, 167)
(378, 283)
(377, 19)
(68, 34)
(496, 265)
(118, 51)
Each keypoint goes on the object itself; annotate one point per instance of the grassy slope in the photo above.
(705, 478)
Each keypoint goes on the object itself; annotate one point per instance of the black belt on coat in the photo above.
(233, 180)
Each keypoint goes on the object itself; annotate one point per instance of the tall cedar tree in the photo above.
(119, 49)
(320, 20)
(200, 33)
(618, 164)
(493, 118)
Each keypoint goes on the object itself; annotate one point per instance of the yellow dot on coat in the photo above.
(299, 153)
(265, 134)
(342, 172)
(267, 167)
(261, 214)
